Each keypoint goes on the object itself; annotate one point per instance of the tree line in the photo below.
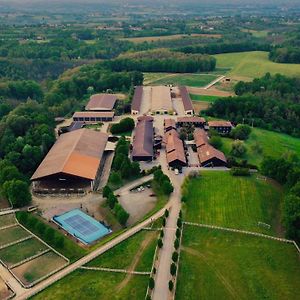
(289, 55)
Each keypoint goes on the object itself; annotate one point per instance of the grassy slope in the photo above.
(254, 64)
(222, 265)
(95, 285)
(217, 198)
(272, 144)
(195, 80)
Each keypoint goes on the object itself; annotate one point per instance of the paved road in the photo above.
(44, 284)
(161, 290)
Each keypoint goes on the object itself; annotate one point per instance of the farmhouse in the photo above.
(186, 100)
(142, 146)
(161, 100)
(195, 121)
(92, 117)
(137, 100)
(223, 127)
(169, 124)
(101, 102)
(174, 149)
(208, 156)
(73, 162)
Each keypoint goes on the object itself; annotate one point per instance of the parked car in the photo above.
(176, 172)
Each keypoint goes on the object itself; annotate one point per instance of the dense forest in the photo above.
(271, 102)
(290, 55)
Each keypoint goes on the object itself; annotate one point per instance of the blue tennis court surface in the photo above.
(82, 226)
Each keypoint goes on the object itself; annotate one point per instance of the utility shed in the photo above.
(101, 102)
(73, 161)
(161, 100)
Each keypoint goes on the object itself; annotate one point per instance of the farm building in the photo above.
(92, 117)
(208, 156)
(73, 162)
(137, 100)
(142, 146)
(161, 100)
(186, 100)
(101, 102)
(169, 124)
(174, 149)
(223, 127)
(195, 121)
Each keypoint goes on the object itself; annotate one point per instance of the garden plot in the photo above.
(7, 220)
(12, 234)
(31, 271)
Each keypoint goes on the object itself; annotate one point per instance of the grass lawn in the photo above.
(193, 80)
(254, 64)
(265, 143)
(138, 250)
(32, 271)
(95, 285)
(18, 252)
(12, 234)
(217, 198)
(6, 220)
(222, 265)
(204, 98)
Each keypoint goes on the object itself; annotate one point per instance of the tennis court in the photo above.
(81, 226)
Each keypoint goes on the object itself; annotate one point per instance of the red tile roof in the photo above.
(219, 124)
(190, 120)
(137, 98)
(186, 100)
(207, 152)
(101, 102)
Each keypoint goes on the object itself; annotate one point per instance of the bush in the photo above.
(59, 242)
(50, 234)
(151, 283)
(106, 191)
(241, 132)
(124, 125)
(240, 171)
(179, 223)
(183, 198)
(121, 214)
(175, 256)
(216, 142)
(160, 243)
(176, 244)
(112, 200)
(40, 227)
(164, 222)
(173, 269)
(167, 188)
(171, 285)
(238, 149)
(162, 234)
(166, 213)
(178, 233)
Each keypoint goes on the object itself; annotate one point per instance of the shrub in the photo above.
(164, 222)
(166, 213)
(167, 188)
(238, 149)
(161, 233)
(176, 244)
(151, 283)
(216, 142)
(171, 285)
(173, 269)
(183, 198)
(241, 132)
(178, 232)
(112, 200)
(124, 125)
(59, 242)
(160, 243)
(49, 234)
(179, 223)
(240, 171)
(40, 227)
(106, 191)
(175, 256)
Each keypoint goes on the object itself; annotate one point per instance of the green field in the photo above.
(204, 98)
(254, 64)
(6, 220)
(136, 253)
(12, 234)
(265, 143)
(95, 285)
(139, 248)
(218, 198)
(193, 80)
(221, 265)
(18, 252)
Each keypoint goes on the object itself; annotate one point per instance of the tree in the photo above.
(50, 234)
(238, 149)
(173, 269)
(106, 191)
(178, 233)
(176, 244)
(17, 192)
(241, 132)
(135, 168)
(60, 242)
(167, 188)
(112, 200)
(175, 256)
(216, 141)
(40, 227)
(115, 178)
(151, 283)
(166, 213)
(291, 216)
(179, 223)
(171, 285)
(160, 243)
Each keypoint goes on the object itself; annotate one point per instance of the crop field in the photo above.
(204, 98)
(6, 220)
(218, 198)
(136, 253)
(253, 64)
(265, 143)
(18, 252)
(223, 265)
(169, 37)
(193, 80)
(32, 270)
(12, 234)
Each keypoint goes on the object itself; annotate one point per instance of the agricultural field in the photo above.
(136, 253)
(31, 271)
(204, 98)
(12, 234)
(265, 143)
(169, 37)
(223, 265)
(253, 64)
(6, 220)
(218, 198)
(193, 80)
(18, 252)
